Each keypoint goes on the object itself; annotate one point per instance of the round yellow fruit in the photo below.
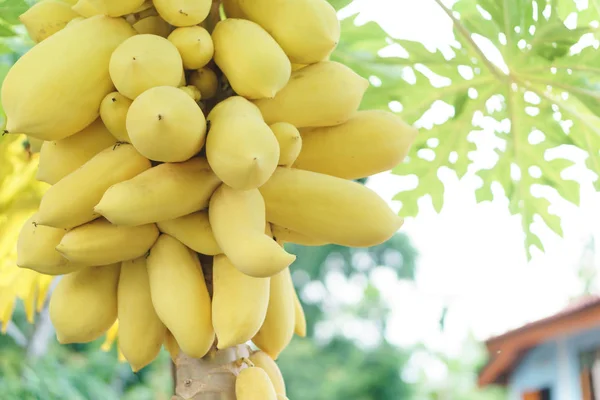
(113, 111)
(183, 12)
(194, 44)
(205, 79)
(165, 124)
(143, 62)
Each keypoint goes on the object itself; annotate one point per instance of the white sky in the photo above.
(472, 255)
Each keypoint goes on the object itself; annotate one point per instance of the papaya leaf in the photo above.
(538, 92)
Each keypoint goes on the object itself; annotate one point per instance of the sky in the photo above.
(472, 256)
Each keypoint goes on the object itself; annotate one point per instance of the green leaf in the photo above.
(539, 88)
(10, 10)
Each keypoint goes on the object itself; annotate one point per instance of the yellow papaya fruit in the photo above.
(192, 91)
(143, 62)
(253, 383)
(52, 109)
(277, 330)
(58, 158)
(164, 192)
(285, 235)
(117, 8)
(35, 145)
(83, 305)
(113, 112)
(253, 76)
(239, 303)
(263, 360)
(328, 208)
(183, 12)
(238, 221)
(87, 8)
(232, 9)
(45, 18)
(141, 332)
(165, 124)
(322, 94)
(153, 25)
(205, 79)
(194, 44)
(70, 202)
(290, 142)
(307, 30)
(368, 143)
(180, 295)
(101, 243)
(194, 231)
(240, 147)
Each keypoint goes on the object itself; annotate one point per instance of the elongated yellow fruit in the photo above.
(84, 304)
(240, 147)
(116, 8)
(52, 109)
(278, 329)
(252, 384)
(141, 332)
(290, 142)
(323, 94)
(87, 8)
(100, 243)
(308, 30)
(194, 44)
(171, 345)
(153, 25)
(331, 209)
(251, 75)
(263, 360)
(36, 249)
(113, 111)
(368, 143)
(70, 202)
(285, 235)
(143, 62)
(46, 18)
(165, 124)
(232, 9)
(180, 296)
(238, 221)
(299, 317)
(183, 12)
(194, 231)
(239, 303)
(61, 157)
(164, 192)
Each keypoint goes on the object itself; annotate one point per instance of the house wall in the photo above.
(553, 364)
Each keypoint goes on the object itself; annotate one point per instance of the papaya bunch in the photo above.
(185, 142)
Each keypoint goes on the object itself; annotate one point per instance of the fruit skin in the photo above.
(285, 235)
(253, 384)
(101, 243)
(299, 317)
(232, 9)
(35, 145)
(194, 231)
(87, 8)
(52, 109)
(239, 303)
(263, 360)
(238, 221)
(154, 25)
(70, 202)
(194, 44)
(113, 111)
(183, 12)
(205, 79)
(192, 91)
(278, 329)
(117, 8)
(141, 332)
(307, 30)
(143, 62)
(61, 157)
(171, 345)
(368, 143)
(290, 142)
(250, 58)
(46, 18)
(240, 147)
(331, 209)
(180, 296)
(164, 192)
(323, 94)
(84, 304)
(165, 124)
(36, 249)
